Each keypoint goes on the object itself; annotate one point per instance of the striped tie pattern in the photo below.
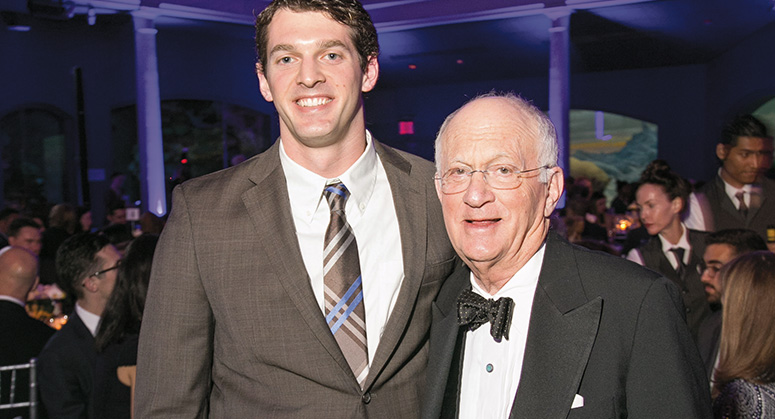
(345, 313)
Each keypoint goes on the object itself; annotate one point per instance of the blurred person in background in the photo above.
(87, 265)
(25, 233)
(673, 250)
(116, 339)
(62, 222)
(744, 382)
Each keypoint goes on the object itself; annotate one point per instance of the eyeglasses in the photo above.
(114, 267)
(499, 176)
(712, 270)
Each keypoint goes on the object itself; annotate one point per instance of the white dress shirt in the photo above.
(371, 213)
(89, 319)
(695, 216)
(635, 256)
(491, 370)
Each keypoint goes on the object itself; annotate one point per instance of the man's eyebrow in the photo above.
(281, 47)
(332, 43)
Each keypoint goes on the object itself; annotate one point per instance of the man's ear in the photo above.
(371, 75)
(263, 85)
(89, 284)
(556, 185)
(722, 151)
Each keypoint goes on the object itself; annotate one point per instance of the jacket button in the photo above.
(366, 398)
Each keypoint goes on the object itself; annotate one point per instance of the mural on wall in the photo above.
(607, 147)
(199, 137)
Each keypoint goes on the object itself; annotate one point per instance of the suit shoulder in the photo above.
(401, 158)
(614, 271)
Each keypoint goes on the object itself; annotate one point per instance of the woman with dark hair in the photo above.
(744, 382)
(119, 328)
(673, 249)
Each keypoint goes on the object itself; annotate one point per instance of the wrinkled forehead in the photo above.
(490, 128)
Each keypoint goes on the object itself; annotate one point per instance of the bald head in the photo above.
(18, 271)
(518, 119)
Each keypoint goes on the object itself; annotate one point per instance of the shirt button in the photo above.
(489, 368)
(366, 398)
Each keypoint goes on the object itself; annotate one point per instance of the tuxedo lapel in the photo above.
(563, 328)
(410, 203)
(444, 337)
(268, 206)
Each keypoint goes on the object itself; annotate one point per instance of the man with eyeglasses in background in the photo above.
(720, 248)
(572, 333)
(87, 266)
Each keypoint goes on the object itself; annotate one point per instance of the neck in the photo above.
(92, 306)
(327, 158)
(673, 232)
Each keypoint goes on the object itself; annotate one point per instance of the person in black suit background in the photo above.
(86, 265)
(673, 249)
(573, 333)
(21, 336)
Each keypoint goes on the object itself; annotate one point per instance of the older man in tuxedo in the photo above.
(532, 326)
(298, 283)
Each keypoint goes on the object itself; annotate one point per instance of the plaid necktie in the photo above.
(345, 313)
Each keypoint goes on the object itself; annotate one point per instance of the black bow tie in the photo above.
(473, 310)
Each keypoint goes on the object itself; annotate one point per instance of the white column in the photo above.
(149, 135)
(559, 81)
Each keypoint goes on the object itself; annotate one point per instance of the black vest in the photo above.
(692, 289)
(725, 215)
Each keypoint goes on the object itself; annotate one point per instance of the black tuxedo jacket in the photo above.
(66, 370)
(600, 327)
(21, 336)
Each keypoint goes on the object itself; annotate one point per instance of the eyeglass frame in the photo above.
(714, 270)
(106, 270)
(518, 173)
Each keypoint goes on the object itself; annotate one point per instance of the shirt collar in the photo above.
(89, 319)
(11, 299)
(525, 278)
(359, 179)
(731, 190)
(683, 242)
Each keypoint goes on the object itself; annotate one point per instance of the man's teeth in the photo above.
(313, 102)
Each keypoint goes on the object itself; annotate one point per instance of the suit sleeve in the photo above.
(666, 377)
(176, 338)
(60, 391)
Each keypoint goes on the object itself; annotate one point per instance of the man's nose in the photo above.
(478, 192)
(309, 73)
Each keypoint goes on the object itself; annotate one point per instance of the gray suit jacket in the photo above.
(232, 329)
(601, 327)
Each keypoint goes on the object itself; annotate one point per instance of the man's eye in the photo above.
(457, 172)
(284, 60)
(502, 170)
(332, 56)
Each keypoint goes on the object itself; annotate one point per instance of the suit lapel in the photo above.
(443, 340)
(563, 328)
(410, 203)
(268, 206)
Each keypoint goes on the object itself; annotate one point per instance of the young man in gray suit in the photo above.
(247, 314)
(572, 333)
